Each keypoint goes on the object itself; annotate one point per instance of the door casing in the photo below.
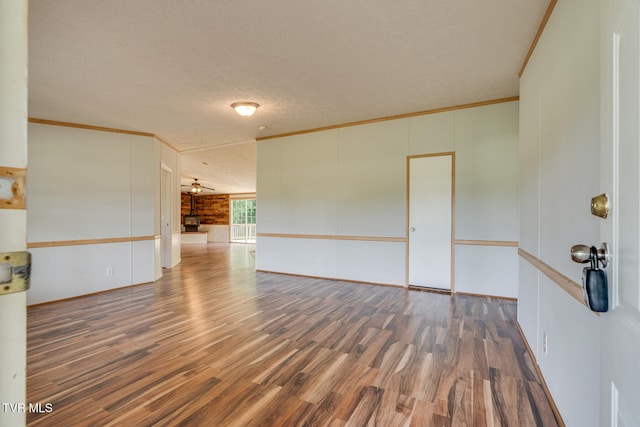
(449, 255)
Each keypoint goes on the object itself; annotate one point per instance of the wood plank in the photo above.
(54, 244)
(400, 116)
(534, 42)
(504, 243)
(572, 288)
(334, 237)
(215, 343)
(89, 127)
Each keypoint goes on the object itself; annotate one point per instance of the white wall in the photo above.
(486, 202)
(352, 182)
(216, 233)
(85, 185)
(559, 145)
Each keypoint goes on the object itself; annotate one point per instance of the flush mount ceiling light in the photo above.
(245, 108)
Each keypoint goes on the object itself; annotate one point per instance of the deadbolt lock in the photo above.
(15, 272)
(600, 206)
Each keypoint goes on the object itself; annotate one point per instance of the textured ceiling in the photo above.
(173, 67)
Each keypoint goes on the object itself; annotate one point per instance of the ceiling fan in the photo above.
(195, 187)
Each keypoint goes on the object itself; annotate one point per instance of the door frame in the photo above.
(408, 212)
(13, 217)
(231, 222)
(166, 203)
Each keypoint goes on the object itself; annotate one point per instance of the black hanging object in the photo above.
(594, 287)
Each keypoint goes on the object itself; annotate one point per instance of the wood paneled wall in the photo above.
(213, 209)
(350, 183)
(559, 134)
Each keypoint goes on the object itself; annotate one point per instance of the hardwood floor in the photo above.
(213, 343)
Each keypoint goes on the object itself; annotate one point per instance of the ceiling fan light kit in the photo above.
(196, 187)
(245, 108)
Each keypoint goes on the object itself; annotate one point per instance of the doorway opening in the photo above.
(243, 221)
(165, 216)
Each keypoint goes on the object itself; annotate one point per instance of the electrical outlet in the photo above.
(109, 271)
(317, 261)
(545, 343)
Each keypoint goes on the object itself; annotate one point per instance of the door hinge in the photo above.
(15, 272)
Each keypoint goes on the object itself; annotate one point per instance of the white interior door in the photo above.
(430, 221)
(620, 327)
(165, 216)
